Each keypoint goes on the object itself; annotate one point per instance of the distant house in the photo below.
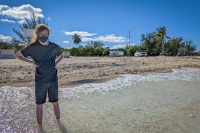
(116, 52)
(140, 53)
(66, 54)
(7, 54)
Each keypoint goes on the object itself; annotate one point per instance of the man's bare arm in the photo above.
(19, 56)
(59, 58)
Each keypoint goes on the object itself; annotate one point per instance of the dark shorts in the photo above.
(41, 90)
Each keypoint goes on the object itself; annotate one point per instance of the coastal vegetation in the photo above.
(154, 43)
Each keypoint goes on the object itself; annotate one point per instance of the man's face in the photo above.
(43, 33)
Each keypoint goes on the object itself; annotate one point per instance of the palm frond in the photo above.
(29, 24)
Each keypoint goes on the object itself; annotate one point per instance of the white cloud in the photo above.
(108, 38)
(22, 21)
(83, 44)
(86, 36)
(6, 20)
(105, 46)
(3, 7)
(81, 33)
(118, 46)
(65, 41)
(21, 12)
(132, 44)
(5, 38)
(85, 39)
(121, 46)
(68, 47)
(111, 38)
(49, 18)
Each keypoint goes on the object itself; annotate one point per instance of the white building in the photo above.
(116, 52)
(7, 54)
(140, 53)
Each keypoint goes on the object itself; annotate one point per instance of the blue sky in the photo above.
(108, 21)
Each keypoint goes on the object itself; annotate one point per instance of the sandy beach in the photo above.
(155, 103)
(79, 70)
(118, 103)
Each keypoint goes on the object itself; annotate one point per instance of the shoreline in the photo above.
(130, 104)
(81, 70)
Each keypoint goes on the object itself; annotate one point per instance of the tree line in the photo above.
(153, 43)
(158, 42)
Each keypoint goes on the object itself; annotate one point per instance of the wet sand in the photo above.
(80, 70)
(156, 103)
(165, 106)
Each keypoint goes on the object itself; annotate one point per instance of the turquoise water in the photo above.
(163, 102)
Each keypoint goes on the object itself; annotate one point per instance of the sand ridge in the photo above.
(79, 70)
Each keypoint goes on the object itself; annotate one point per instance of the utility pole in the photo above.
(185, 47)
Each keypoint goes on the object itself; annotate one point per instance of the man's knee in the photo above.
(55, 103)
(39, 105)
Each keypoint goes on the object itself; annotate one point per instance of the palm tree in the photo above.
(76, 38)
(161, 35)
(149, 42)
(175, 45)
(190, 47)
(29, 24)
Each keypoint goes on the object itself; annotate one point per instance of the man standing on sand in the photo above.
(44, 54)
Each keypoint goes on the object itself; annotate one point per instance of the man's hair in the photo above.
(39, 28)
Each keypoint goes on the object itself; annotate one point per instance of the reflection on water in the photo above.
(62, 128)
(127, 104)
(17, 109)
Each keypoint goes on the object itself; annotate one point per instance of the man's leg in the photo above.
(39, 112)
(56, 110)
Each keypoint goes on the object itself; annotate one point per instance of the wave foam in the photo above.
(187, 74)
(127, 80)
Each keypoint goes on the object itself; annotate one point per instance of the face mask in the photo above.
(43, 39)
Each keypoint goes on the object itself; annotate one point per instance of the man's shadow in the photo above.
(41, 130)
(62, 128)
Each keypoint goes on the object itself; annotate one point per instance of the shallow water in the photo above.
(164, 102)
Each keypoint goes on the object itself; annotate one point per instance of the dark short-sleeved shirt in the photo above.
(44, 57)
